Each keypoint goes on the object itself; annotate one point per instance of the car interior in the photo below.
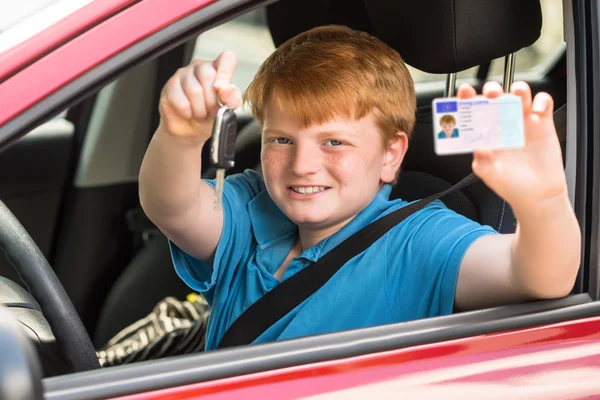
(72, 182)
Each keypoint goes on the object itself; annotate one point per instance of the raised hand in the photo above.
(530, 177)
(189, 101)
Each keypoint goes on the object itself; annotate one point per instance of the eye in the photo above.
(281, 140)
(334, 143)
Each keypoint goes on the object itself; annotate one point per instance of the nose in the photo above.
(306, 159)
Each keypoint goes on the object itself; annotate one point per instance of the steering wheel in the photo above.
(33, 268)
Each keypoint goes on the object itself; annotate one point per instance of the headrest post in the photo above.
(450, 85)
(509, 71)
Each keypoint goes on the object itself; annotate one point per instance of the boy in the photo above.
(448, 123)
(337, 108)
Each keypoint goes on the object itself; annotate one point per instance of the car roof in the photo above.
(16, 53)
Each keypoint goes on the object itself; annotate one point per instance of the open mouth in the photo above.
(308, 189)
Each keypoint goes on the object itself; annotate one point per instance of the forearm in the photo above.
(169, 181)
(546, 249)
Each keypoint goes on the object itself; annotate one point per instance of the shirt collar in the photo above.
(269, 223)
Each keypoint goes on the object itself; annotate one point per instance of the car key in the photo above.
(222, 150)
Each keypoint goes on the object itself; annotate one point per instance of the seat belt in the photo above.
(290, 293)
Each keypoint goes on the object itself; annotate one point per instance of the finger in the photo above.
(206, 74)
(194, 93)
(225, 65)
(466, 91)
(231, 96)
(483, 164)
(175, 97)
(492, 89)
(522, 90)
(543, 105)
(483, 155)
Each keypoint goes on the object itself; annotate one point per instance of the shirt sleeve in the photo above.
(236, 237)
(422, 276)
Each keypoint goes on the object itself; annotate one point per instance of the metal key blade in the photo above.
(219, 188)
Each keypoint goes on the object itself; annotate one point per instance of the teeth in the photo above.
(308, 190)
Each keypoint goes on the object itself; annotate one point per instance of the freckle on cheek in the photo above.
(349, 164)
(269, 160)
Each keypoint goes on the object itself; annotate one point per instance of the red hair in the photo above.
(334, 70)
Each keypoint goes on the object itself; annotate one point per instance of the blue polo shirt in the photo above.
(409, 273)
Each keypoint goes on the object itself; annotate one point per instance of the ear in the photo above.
(393, 157)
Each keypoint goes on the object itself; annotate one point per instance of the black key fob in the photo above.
(222, 151)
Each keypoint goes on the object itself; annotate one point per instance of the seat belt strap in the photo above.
(290, 293)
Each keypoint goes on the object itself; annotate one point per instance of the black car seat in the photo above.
(456, 37)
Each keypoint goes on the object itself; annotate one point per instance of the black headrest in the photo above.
(437, 36)
(287, 18)
(442, 36)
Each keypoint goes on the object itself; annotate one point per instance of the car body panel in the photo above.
(57, 34)
(552, 361)
(119, 32)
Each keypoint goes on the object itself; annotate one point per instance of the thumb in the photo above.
(230, 95)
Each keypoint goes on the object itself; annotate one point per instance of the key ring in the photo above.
(221, 105)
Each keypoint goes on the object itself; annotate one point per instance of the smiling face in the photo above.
(326, 99)
(323, 175)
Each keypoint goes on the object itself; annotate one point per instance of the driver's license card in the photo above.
(464, 125)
